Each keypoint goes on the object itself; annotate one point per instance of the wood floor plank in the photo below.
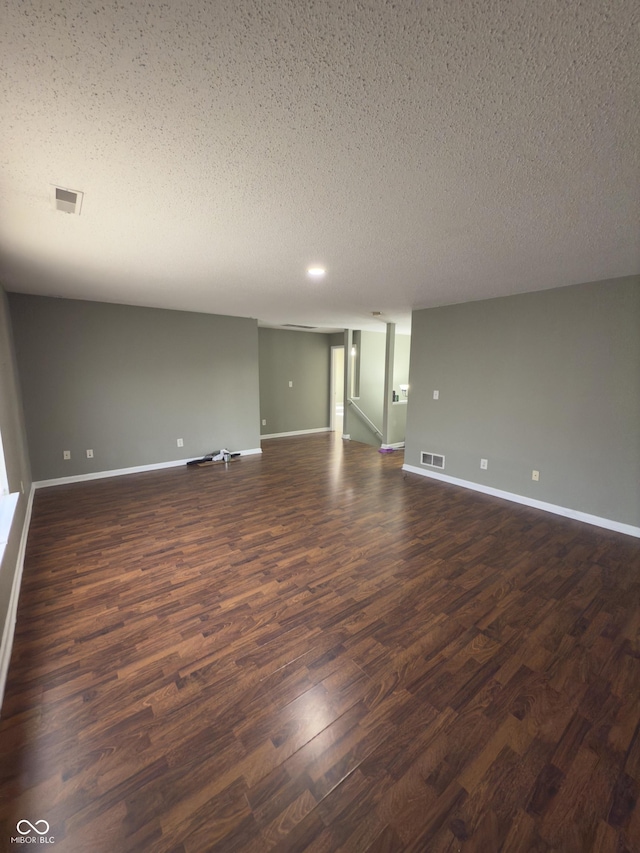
(311, 650)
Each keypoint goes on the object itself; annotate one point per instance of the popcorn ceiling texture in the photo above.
(424, 152)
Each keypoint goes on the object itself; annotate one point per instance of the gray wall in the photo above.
(547, 381)
(371, 399)
(127, 382)
(15, 453)
(11, 413)
(305, 359)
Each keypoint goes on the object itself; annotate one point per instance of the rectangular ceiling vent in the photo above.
(296, 326)
(435, 460)
(66, 201)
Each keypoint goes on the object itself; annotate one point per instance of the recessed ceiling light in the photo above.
(316, 272)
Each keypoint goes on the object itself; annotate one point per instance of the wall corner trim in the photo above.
(577, 515)
(10, 621)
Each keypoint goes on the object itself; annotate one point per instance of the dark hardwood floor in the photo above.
(312, 651)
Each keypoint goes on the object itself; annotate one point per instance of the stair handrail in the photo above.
(364, 417)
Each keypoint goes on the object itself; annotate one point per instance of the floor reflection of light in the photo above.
(314, 713)
(335, 461)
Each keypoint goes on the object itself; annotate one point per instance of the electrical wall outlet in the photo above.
(66, 454)
(264, 422)
(535, 475)
(180, 443)
(436, 395)
(484, 463)
(89, 454)
(290, 383)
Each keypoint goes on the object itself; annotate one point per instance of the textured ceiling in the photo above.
(424, 152)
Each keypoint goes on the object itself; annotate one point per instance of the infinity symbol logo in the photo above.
(32, 827)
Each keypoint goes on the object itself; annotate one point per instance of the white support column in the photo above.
(389, 356)
(348, 362)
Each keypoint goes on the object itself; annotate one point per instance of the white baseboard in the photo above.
(587, 518)
(10, 621)
(399, 445)
(119, 472)
(296, 432)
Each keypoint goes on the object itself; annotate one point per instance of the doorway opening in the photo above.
(336, 391)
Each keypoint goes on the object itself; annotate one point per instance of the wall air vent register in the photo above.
(434, 460)
(297, 326)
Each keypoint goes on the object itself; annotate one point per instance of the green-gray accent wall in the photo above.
(303, 358)
(15, 453)
(127, 382)
(371, 386)
(547, 381)
(371, 389)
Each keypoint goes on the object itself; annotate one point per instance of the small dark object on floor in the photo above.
(200, 461)
(215, 456)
